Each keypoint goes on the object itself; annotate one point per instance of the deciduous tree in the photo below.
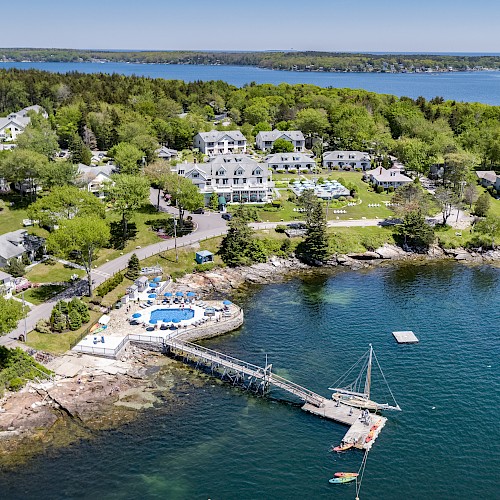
(82, 238)
(11, 311)
(282, 146)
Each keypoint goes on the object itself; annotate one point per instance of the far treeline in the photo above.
(299, 61)
(131, 116)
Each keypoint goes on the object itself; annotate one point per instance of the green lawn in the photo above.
(42, 293)
(11, 218)
(58, 343)
(47, 273)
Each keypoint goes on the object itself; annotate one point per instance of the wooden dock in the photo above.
(260, 378)
(407, 337)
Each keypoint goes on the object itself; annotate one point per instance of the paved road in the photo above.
(209, 225)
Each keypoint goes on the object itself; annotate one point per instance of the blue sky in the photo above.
(330, 25)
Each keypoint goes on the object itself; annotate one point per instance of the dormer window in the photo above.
(195, 175)
(221, 172)
(239, 172)
(257, 171)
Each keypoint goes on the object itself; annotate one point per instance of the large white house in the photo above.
(265, 140)
(220, 143)
(236, 177)
(17, 244)
(287, 162)
(387, 178)
(95, 179)
(15, 123)
(346, 160)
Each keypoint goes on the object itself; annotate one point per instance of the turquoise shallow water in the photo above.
(223, 443)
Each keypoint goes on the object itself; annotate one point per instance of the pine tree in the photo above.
(134, 268)
(235, 246)
(74, 320)
(214, 202)
(15, 268)
(80, 153)
(315, 245)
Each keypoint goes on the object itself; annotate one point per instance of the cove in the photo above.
(215, 441)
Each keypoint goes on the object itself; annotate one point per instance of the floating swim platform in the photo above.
(406, 337)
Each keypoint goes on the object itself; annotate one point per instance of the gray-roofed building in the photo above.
(265, 140)
(15, 123)
(18, 243)
(95, 179)
(236, 177)
(487, 178)
(220, 142)
(166, 153)
(346, 160)
(387, 178)
(290, 162)
(6, 285)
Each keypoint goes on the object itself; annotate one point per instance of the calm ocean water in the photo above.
(224, 443)
(483, 86)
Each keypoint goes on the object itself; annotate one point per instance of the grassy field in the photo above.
(58, 343)
(46, 273)
(11, 218)
(41, 294)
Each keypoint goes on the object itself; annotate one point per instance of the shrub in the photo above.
(341, 198)
(276, 203)
(208, 266)
(109, 285)
(280, 228)
(292, 170)
(16, 383)
(15, 268)
(391, 189)
(379, 189)
(74, 320)
(43, 326)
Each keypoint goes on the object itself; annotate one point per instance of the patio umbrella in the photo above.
(152, 322)
(167, 294)
(153, 285)
(136, 315)
(191, 294)
(179, 294)
(227, 302)
(157, 279)
(152, 296)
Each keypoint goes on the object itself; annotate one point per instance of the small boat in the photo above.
(340, 480)
(343, 447)
(94, 327)
(346, 474)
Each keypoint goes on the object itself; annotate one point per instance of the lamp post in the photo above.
(175, 240)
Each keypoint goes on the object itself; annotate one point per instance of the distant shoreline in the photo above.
(306, 61)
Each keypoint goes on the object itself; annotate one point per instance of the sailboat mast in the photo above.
(369, 374)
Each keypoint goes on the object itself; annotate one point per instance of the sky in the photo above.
(328, 25)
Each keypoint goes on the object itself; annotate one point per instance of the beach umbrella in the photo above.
(136, 315)
(191, 294)
(152, 322)
(227, 302)
(167, 294)
(153, 285)
(152, 296)
(179, 294)
(157, 279)
(176, 320)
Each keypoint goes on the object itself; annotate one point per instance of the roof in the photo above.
(273, 135)
(204, 253)
(16, 120)
(289, 158)
(141, 279)
(166, 152)
(392, 175)
(5, 276)
(488, 175)
(346, 156)
(217, 135)
(230, 163)
(103, 169)
(11, 244)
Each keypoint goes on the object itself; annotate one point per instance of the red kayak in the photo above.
(346, 474)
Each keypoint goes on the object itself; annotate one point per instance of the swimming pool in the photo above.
(169, 315)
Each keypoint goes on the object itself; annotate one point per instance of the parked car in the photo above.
(199, 211)
(226, 216)
(296, 225)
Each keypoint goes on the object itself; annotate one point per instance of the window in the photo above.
(196, 175)
(216, 181)
(236, 180)
(221, 172)
(239, 172)
(181, 172)
(257, 171)
(225, 182)
(244, 180)
(259, 180)
(240, 143)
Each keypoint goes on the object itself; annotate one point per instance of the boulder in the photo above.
(390, 252)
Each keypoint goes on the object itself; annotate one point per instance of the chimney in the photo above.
(380, 170)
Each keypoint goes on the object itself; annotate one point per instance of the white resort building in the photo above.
(265, 140)
(290, 162)
(347, 160)
(220, 143)
(95, 179)
(387, 178)
(15, 123)
(238, 178)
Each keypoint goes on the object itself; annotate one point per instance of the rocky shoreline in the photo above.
(105, 394)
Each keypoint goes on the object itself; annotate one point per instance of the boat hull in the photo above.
(340, 480)
(355, 402)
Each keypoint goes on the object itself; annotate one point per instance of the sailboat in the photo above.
(353, 394)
